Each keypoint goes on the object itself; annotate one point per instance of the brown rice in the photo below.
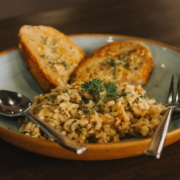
(72, 112)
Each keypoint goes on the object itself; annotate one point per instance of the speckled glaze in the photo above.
(16, 77)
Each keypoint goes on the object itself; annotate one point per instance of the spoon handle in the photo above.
(64, 141)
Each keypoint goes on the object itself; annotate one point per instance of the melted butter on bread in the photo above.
(49, 54)
(126, 61)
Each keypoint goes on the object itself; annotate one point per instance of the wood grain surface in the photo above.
(157, 20)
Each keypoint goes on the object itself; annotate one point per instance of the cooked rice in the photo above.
(71, 112)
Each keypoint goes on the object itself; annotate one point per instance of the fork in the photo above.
(156, 144)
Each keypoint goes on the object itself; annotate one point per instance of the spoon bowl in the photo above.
(14, 104)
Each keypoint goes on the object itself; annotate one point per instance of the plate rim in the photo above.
(52, 149)
(108, 34)
(126, 36)
(94, 152)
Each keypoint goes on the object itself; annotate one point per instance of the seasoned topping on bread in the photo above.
(50, 55)
(127, 61)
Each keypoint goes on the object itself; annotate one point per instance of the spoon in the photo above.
(14, 104)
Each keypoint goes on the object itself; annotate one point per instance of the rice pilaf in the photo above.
(76, 113)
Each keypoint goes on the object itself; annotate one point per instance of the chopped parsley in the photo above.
(74, 121)
(27, 132)
(97, 86)
(52, 97)
(44, 40)
(143, 96)
(86, 100)
(66, 91)
(65, 64)
(86, 111)
(113, 63)
(126, 65)
(124, 94)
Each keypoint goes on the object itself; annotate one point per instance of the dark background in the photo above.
(11, 8)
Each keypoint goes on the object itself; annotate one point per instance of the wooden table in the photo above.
(155, 19)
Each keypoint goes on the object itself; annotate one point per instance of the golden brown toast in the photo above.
(126, 61)
(49, 54)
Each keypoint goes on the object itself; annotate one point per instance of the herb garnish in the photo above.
(124, 94)
(142, 96)
(27, 132)
(74, 121)
(65, 64)
(86, 100)
(86, 111)
(44, 40)
(113, 63)
(100, 89)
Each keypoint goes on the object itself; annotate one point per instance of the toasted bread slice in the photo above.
(49, 54)
(126, 61)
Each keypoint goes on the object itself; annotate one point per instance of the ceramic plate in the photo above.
(16, 77)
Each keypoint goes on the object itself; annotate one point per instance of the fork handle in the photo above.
(157, 142)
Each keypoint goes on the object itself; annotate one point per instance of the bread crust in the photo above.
(49, 54)
(41, 77)
(125, 61)
(53, 59)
